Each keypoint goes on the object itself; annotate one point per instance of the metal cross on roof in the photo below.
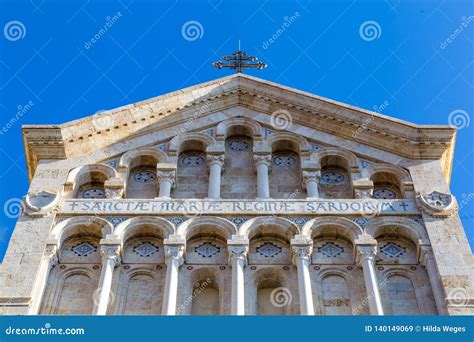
(239, 61)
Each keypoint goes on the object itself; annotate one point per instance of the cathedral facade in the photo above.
(238, 197)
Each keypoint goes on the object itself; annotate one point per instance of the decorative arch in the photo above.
(177, 142)
(80, 225)
(75, 174)
(84, 174)
(209, 283)
(334, 286)
(349, 157)
(316, 226)
(284, 226)
(393, 175)
(417, 299)
(301, 144)
(224, 228)
(130, 227)
(223, 127)
(397, 225)
(126, 162)
(268, 283)
(401, 174)
(56, 296)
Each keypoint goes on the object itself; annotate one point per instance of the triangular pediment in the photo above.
(203, 106)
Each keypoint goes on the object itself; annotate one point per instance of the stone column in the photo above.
(238, 250)
(49, 260)
(174, 259)
(215, 164)
(166, 180)
(110, 258)
(262, 164)
(366, 258)
(310, 183)
(302, 248)
(166, 175)
(428, 261)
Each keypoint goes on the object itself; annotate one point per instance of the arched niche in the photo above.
(139, 169)
(239, 179)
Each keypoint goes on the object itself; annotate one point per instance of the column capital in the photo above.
(166, 175)
(218, 159)
(425, 253)
(365, 252)
(310, 176)
(302, 247)
(109, 251)
(237, 247)
(239, 252)
(114, 188)
(174, 252)
(363, 188)
(265, 159)
(51, 253)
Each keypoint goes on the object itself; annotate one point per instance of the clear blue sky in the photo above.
(405, 61)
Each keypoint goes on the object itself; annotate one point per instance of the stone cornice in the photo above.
(163, 112)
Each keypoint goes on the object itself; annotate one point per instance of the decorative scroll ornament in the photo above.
(437, 204)
(41, 204)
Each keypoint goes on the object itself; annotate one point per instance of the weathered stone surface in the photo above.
(373, 188)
